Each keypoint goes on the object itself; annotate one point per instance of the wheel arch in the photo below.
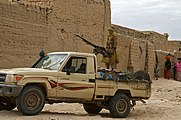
(42, 86)
(35, 80)
(126, 92)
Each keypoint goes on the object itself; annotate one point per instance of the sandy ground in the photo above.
(164, 104)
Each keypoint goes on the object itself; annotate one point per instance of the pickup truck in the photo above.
(72, 77)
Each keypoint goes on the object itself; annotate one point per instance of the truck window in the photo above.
(79, 63)
(51, 62)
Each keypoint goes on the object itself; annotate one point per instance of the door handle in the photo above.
(65, 78)
(92, 80)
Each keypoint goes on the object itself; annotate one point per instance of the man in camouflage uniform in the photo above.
(111, 46)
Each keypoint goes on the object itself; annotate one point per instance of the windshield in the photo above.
(51, 62)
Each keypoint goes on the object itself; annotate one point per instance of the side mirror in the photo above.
(70, 70)
(42, 53)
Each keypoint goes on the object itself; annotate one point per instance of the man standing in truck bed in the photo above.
(111, 46)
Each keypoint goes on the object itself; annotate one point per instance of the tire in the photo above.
(31, 100)
(6, 104)
(141, 75)
(119, 106)
(92, 108)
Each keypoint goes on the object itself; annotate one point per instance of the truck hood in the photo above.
(26, 71)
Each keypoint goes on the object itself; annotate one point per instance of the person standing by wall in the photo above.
(178, 69)
(167, 69)
(156, 71)
(111, 46)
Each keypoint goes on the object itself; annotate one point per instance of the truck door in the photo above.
(76, 83)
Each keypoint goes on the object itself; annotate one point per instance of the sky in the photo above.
(162, 16)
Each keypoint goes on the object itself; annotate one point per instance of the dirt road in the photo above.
(164, 104)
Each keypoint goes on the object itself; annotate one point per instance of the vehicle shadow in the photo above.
(16, 113)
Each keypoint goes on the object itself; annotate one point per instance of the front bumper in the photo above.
(10, 90)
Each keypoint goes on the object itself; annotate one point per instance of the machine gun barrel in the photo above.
(97, 49)
(86, 41)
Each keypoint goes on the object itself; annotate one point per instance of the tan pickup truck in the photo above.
(71, 77)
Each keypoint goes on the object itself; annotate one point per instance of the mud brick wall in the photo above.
(23, 32)
(4, 1)
(42, 3)
(123, 49)
(131, 32)
(159, 40)
(138, 55)
(173, 46)
(142, 56)
(89, 18)
(161, 62)
(135, 50)
(150, 58)
(26, 26)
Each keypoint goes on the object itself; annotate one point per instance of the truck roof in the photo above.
(74, 53)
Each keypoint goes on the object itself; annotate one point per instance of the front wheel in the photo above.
(31, 100)
(119, 106)
(92, 108)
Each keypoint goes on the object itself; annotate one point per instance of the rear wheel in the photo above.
(31, 100)
(119, 106)
(92, 108)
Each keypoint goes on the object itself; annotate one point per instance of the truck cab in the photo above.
(75, 75)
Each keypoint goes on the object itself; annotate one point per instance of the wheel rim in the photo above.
(121, 106)
(32, 101)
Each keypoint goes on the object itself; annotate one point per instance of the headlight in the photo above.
(14, 78)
